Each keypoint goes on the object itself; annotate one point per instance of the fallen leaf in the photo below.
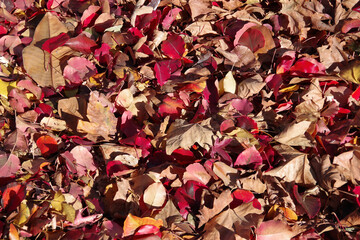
(219, 204)
(155, 195)
(294, 135)
(133, 222)
(184, 135)
(43, 67)
(196, 172)
(47, 145)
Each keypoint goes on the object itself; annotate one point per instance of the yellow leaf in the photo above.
(289, 89)
(23, 215)
(13, 233)
(56, 203)
(227, 84)
(68, 211)
(5, 87)
(351, 72)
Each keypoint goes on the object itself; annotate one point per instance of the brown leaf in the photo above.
(219, 204)
(102, 121)
(250, 86)
(43, 67)
(294, 134)
(296, 168)
(184, 135)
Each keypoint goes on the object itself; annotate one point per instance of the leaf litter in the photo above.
(179, 120)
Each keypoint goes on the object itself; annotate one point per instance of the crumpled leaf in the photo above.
(184, 135)
(219, 204)
(102, 122)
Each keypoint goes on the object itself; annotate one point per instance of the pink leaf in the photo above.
(253, 39)
(84, 160)
(147, 230)
(173, 46)
(196, 172)
(82, 221)
(227, 125)
(31, 86)
(249, 156)
(113, 229)
(246, 123)
(170, 18)
(45, 109)
(55, 42)
(18, 100)
(219, 149)
(243, 106)
(11, 166)
(79, 69)
(81, 43)
(274, 230)
(89, 16)
(310, 204)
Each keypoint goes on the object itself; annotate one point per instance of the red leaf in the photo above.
(47, 145)
(173, 46)
(249, 156)
(285, 62)
(12, 196)
(164, 69)
(116, 168)
(350, 24)
(307, 65)
(227, 125)
(356, 7)
(55, 42)
(241, 196)
(11, 166)
(219, 149)
(171, 107)
(81, 43)
(253, 39)
(89, 16)
(310, 204)
(44, 109)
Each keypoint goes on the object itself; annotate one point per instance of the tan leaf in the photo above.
(200, 29)
(296, 168)
(294, 134)
(102, 121)
(219, 204)
(250, 86)
(43, 67)
(184, 135)
(226, 173)
(155, 195)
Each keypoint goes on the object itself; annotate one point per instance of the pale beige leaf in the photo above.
(200, 29)
(227, 84)
(43, 67)
(294, 134)
(155, 195)
(53, 123)
(184, 135)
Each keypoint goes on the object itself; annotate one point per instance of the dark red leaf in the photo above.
(253, 39)
(310, 204)
(82, 44)
(164, 69)
(55, 42)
